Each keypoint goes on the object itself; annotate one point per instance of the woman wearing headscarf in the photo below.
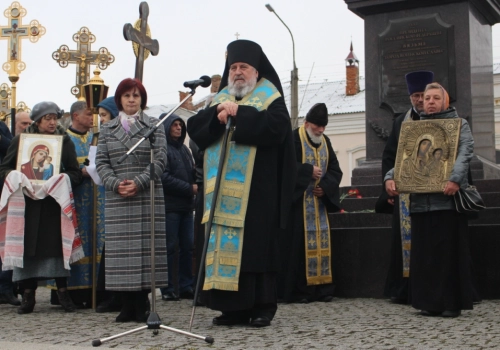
(43, 254)
(127, 207)
(440, 264)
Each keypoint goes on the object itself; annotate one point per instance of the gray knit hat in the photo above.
(44, 108)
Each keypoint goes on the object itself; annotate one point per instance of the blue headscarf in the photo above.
(109, 105)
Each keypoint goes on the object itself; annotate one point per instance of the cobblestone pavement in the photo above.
(341, 324)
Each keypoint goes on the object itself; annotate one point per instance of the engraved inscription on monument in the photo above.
(426, 155)
(411, 44)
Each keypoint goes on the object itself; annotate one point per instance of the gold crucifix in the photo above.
(14, 32)
(83, 57)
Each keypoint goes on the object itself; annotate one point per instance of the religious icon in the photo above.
(34, 31)
(426, 154)
(39, 156)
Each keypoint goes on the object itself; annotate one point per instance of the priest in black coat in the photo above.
(396, 287)
(304, 279)
(256, 189)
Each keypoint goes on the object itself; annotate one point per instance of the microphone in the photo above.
(204, 81)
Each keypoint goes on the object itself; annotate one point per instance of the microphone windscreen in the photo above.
(206, 81)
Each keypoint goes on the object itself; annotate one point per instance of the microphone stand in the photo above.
(153, 322)
(208, 228)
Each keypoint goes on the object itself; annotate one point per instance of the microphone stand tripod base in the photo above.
(154, 323)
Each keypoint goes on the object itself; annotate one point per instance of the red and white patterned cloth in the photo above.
(12, 208)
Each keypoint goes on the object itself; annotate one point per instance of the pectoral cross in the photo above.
(83, 57)
(141, 38)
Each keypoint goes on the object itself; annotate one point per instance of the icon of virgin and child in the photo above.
(426, 165)
(39, 166)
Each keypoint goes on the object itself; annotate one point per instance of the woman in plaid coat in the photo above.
(127, 208)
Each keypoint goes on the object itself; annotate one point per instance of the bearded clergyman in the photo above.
(255, 193)
(305, 250)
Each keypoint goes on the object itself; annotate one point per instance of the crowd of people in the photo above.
(264, 191)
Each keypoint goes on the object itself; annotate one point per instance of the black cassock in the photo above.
(396, 286)
(271, 190)
(292, 283)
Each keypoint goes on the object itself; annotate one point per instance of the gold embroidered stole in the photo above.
(225, 245)
(405, 223)
(316, 225)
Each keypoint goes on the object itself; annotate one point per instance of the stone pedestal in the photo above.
(450, 37)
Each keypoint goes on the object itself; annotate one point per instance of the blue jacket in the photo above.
(178, 177)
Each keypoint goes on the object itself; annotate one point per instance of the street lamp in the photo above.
(294, 79)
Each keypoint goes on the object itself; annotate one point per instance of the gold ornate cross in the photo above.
(14, 32)
(83, 57)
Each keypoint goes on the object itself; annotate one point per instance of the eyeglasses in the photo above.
(49, 117)
(417, 95)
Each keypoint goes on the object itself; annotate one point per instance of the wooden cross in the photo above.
(142, 39)
(83, 57)
(237, 35)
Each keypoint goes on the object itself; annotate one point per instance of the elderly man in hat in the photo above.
(396, 287)
(256, 187)
(305, 250)
(43, 255)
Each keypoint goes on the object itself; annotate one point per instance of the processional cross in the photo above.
(140, 36)
(83, 57)
(14, 32)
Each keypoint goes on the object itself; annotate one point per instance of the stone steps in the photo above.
(484, 248)
(360, 259)
(361, 242)
(350, 204)
(489, 216)
(483, 186)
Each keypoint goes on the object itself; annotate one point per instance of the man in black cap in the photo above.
(396, 287)
(256, 187)
(307, 277)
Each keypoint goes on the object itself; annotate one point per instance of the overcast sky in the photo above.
(193, 36)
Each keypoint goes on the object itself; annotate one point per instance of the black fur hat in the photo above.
(318, 115)
(417, 81)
